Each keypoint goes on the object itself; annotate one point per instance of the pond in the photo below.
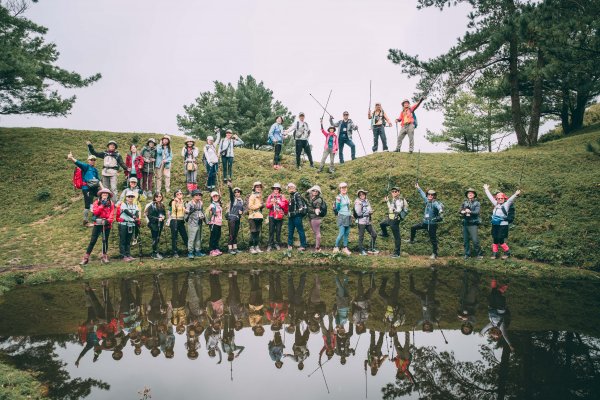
(308, 334)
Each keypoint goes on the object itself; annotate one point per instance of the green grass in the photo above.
(16, 384)
(556, 222)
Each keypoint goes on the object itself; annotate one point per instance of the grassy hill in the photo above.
(556, 221)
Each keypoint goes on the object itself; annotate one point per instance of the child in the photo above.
(500, 220)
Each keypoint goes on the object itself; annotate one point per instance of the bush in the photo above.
(43, 194)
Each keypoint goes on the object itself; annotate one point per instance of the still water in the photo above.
(429, 334)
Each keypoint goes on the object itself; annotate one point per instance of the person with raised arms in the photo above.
(378, 122)
(345, 128)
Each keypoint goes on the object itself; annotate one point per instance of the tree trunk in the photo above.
(536, 103)
(564, 111)
(579, 111)
(513, 79)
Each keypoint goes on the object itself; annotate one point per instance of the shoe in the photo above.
(467, 257)
(130, 259)
(363, 253)
(394, 255)
(252, 250)
(219, 252)
(494, 256)
(134, 241)
(410, 152)
(331, 170)
(175, 255)
(301, 248)
(321, 169)
(231, 252)
(346, 251)
(505, 255)
(258, 250)
(199, 254)
(157, 256)
(397, 151)
(336, 250)
(277, 247)
(85, 223)
(85, 259)
(480, 257)
(290, 248)
(299, 168)
(191, 255)
(433, 257)
(104, 259)
(374, 252)
(317, 249)
(268, 249)
(212, 253)
(384, 235)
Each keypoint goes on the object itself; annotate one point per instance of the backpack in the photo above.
(510, 215)
(323, 209)
(78, 178)
(354, 213)
(440, 211)
(301, 207)
(415, 118)
(335, 211)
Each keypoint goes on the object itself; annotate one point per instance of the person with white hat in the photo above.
(301, 133)
(345, 128)
(189, 153)
(226, 146)
(211, 162)
(317, 208)
(112, 162)
(255, 216)
(214, 213)
(90, 183)
(104, 210)
(176, 221)
(164, 156)
(133, 186)
(342, 208)
(296, 211)
(128, 217)
(397, 211)
(378, 123)
(363, 212)
(277, 205)
(148, 153)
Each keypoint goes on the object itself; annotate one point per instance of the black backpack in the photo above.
(335, 211)
(510, 215)
(323, 209)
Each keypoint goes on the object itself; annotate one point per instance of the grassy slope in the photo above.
(555, 216)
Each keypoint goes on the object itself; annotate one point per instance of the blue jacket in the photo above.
(433, 209)
(165, 154)
(276, 133)
(87, 173)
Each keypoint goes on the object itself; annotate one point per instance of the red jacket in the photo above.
(335, 140)
(283, 204)
(106, 212)
(276, 311)
(139, 164)
(406, 116)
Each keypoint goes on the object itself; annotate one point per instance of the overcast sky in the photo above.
(156, 56)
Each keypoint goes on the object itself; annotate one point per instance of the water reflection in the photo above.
(426, 335)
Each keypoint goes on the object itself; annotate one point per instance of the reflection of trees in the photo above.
(546, 365)
(38, 354)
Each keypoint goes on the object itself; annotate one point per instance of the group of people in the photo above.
(152, 324)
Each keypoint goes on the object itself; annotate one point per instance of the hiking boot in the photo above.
(157, 256)
(268, 249)
(175, 255)
(190, 255)
(433, 256)
(480, 257)
(505, 255)
(374, 251)
(130, 259)
(346, 251)
(363, 253)
(384, 235)
(252, 250)
(104, 259)
(320, 169)
(85, 259)
(258, 250)
(232, 252)
(199, 253)
(331, 170)
(336, 250)
(467, 256)
(277, 247)
(395, 255)
(494, 256)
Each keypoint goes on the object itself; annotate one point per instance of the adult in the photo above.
(276, 137)
(330, 148)
(176, 221)
(103, 209)
(237, 207)
(301, 133)
(315, 207)
(255, 217)
(215, 220)
(226, 146)
(345, 127)
(189, 153)
(112, 162)
(432, 215)
(164, 157)
(149, 155)
(342, 207)
(156, 214)
(90, 184)
(397, 211)
(211, 162)
(470, 210)
(500, 221)
(296, 211)
(378, 121)
(134, 162)
(132, 186)
(277, 205)
(363, 211)
(194, 215)
(408, 123)
(128, 217)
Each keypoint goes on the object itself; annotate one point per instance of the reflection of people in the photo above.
(498, 314)
(178, 303)
(97, 314)
(429, 304)
(316, 306)
(468, 301)
(234, 303)
(361, 305)
(276, 347)
(215, 301)
(300, 347)
(394, 314)
(297, 307)
(342, 343)
(403, 358)
(375, 357)
(212, 336)
(255, 304)
(342, 300)
(329, 338)
(228, 340)
(277, 309)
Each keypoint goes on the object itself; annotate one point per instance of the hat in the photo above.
(362, 191)
(343, 184)
(395, 188)
(213, 194)
(177, 191)
(91, 157)
(275, 186)
(112, 142)
(129, 193)
(432, 192)
(133, 179)
(301, 114)
(196, 192)
(190, 140)
(107, 191)
(255, 184)
(237, 189)
(345, 112)
(331, 127)
(210, 138)
(291, 185)
(316, 187)
(470, 190)
(167, 137)
(228, 131)
(151, 140)
(500, 194)
(405, 101)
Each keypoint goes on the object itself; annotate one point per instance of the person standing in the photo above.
(363, 211)
(149, 155)
(432, 215)
(276, 137)
(500, 221)
(189, 153)
(277, 205)
(255, 217)
(378, 121)
(211, 162)
(112, 162)
(103, 209)
(90, 184)
(194, 215)
(408, 123)
(237, 207)
(128, 217)
(215, 220)
(470, 211)
(315, 215)
(345, 127)
(397, 211)
(342, 207)
(176, 221)
(156, 214)
(134, 162)
(164, 156)
(331, 147)
(296, 211)
(226, 146)
(301, 133)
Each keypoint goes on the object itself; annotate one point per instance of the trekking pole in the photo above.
(231, 370)
(370, 94)
(361, 141)
(397, 135)
(366, 381)
(444, 336)
(358, 340)
(309, 375)
(324, 110)
(522, 169)
(326, 104)
(325, 379)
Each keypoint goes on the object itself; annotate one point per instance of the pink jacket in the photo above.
(335, 140)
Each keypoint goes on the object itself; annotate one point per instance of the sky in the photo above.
(156, 56)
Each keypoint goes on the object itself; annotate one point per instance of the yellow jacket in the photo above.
(255, 203)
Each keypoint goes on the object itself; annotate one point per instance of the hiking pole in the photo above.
(325, 379)
(231, 370)
(324, 110)
(444, 336)
(522, 169)
(326, 104)
(370, 95)
(366, 381)
(309, 375)
(361, 141)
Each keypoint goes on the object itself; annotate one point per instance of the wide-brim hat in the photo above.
(129, 193)
(210, 138)
(196, 192)
(166, 137)
(359, 191)
(470, 190)
(331, 128)
(107, 191)
(316, 187)
(213, 194)
(257, 183)
(394, 188)
(133, 179)
(405, 101)
(151, 140)
(276, 186)
(301, 114)
(237, 189)
(91, 157)
(112, 142)
(190, 140)
(432, 192)
(291, 185)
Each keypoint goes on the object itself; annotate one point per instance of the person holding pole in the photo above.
(128, 217)
(397, 211)
(470, 211)
(378, 122)
(345, 127)
(301, 133)
(331, 147)
(255, 216)
(155, 212)
(103, 209)
(90, 184)
(408, 123)
(342, 207)
(148, 153)
(237, 207)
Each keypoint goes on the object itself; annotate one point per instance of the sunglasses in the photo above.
(345, 114)
(394, 191)
(130, 197)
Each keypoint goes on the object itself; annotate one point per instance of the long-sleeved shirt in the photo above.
(300, 130)
(163, 153)
(277, 205)
(189, 154)
(397, 208)
(407, 116)
(194, 213)
(331, 141)
(364, 210)
(499, 217)
(228, 145)
(432, 211)
(210, 154)
(276, 133)
(474, 207)
(112, 161)
(87, 173)
(255, 204)
(342, 205)
(348, 125)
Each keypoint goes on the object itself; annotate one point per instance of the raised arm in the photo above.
(486, 188)
(94, 152)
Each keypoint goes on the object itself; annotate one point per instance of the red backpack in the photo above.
(77, 178)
